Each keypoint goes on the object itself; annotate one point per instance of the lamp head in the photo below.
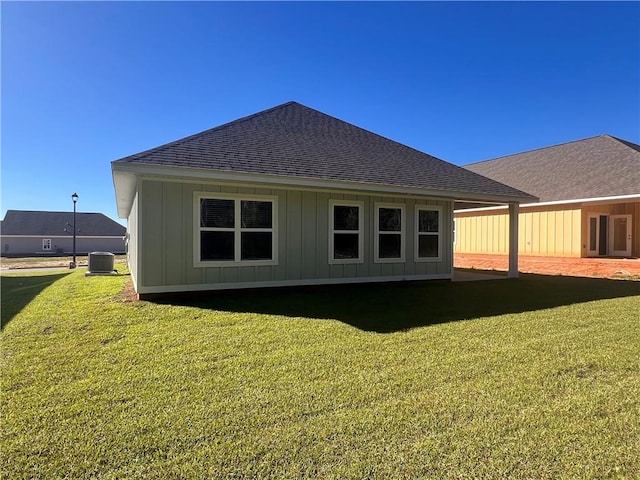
(74, 197)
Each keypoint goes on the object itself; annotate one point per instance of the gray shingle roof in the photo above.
(292, 140)
(24, 222)
(595, 167)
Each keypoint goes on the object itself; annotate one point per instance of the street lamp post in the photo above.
(74, 197)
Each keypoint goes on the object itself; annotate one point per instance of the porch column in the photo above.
(513, 240)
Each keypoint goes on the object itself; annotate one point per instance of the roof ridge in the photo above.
(369, 132)
(55, 211)
(626, 143)
(536, 149)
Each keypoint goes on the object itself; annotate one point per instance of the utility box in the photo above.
(101, 263)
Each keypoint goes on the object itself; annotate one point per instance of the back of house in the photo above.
(291, 196)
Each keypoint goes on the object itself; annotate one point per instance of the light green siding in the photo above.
(166, 239)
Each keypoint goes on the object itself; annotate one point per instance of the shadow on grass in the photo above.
(18, 291)
(386, 308)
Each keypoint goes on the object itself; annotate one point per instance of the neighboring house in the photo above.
(291, 196)
(28, 233)
(589, 206)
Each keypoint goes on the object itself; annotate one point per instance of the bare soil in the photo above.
(128, 293)
(628, 268)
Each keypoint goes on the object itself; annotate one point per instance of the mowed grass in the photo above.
(531, 378)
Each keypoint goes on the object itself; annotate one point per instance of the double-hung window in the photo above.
(235, 230)
(345, 231)
(428, 233)
(389, 234)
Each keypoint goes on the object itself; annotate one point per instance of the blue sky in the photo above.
(86, 83)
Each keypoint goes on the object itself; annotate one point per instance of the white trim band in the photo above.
(288, 283)
(614, 199)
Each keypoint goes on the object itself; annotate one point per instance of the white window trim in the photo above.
(237, 198)
(418, 234)
(46, 244)
(377, 233)
(360, 231)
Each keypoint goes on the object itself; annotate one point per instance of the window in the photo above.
(428, 229)
(235, 230)
(345, 232)
(46, 244)
(389, 237)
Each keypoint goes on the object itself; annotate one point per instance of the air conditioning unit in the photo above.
(101, 263)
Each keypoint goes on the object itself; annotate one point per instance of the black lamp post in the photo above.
(74, 197)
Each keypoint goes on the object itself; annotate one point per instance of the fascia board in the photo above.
(277, 181)
(142, 289)
(125, 185)
(601, 200)
(592, 201)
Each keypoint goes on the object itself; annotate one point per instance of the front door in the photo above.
(620, 235)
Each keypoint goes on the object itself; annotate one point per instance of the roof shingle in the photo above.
(25, 222)
(293, 140)
(596, 167)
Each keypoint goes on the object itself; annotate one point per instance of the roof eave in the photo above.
(580, 201)
(125, 174)
(125, 185)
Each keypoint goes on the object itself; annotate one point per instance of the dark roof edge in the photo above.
(626, 142)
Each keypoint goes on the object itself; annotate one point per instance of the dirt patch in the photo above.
(628, 268)
(128, 293)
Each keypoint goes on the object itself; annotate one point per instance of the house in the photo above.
(589, 205)
(291, 196)
(28, 233)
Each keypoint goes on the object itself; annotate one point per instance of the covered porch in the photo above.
(512, 238)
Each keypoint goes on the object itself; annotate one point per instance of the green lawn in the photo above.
(531, 378)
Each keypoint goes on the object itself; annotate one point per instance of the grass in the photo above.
(18, 291)
(533, 378)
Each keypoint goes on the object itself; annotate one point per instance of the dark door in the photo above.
(602, 250)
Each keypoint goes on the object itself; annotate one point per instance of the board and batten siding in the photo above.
(544, 231)
(164, 223)
(623, 208)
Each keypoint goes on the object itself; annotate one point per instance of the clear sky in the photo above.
(84, 84)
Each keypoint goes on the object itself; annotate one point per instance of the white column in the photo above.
(513, 240)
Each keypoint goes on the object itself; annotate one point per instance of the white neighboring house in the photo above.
(28, 233)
